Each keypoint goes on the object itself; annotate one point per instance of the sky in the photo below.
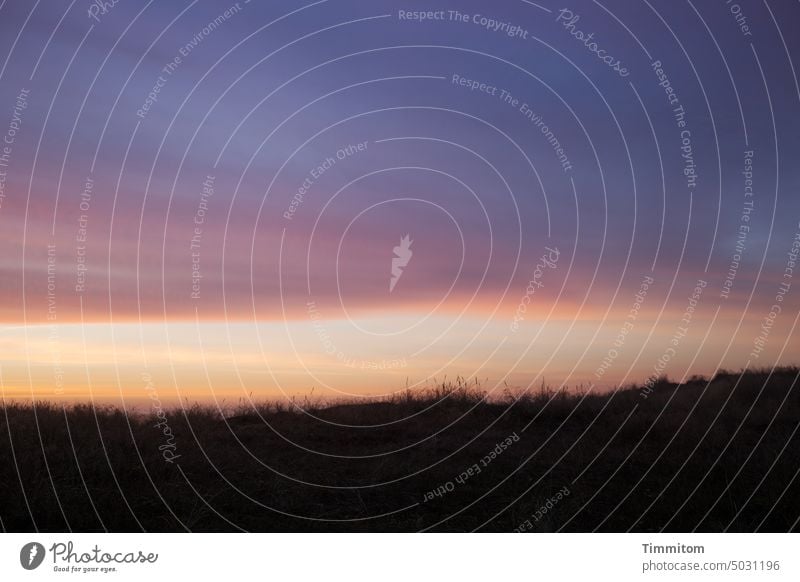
(215, 195)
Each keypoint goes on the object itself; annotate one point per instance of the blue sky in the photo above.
(272, 90)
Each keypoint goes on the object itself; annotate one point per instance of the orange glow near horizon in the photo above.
(224, 362)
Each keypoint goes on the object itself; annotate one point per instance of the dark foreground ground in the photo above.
(711, 456)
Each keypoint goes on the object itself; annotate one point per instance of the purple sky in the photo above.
(545, 145)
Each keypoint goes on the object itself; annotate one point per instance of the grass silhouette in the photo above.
(707, 455)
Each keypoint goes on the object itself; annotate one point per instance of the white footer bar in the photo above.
(401, 557)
